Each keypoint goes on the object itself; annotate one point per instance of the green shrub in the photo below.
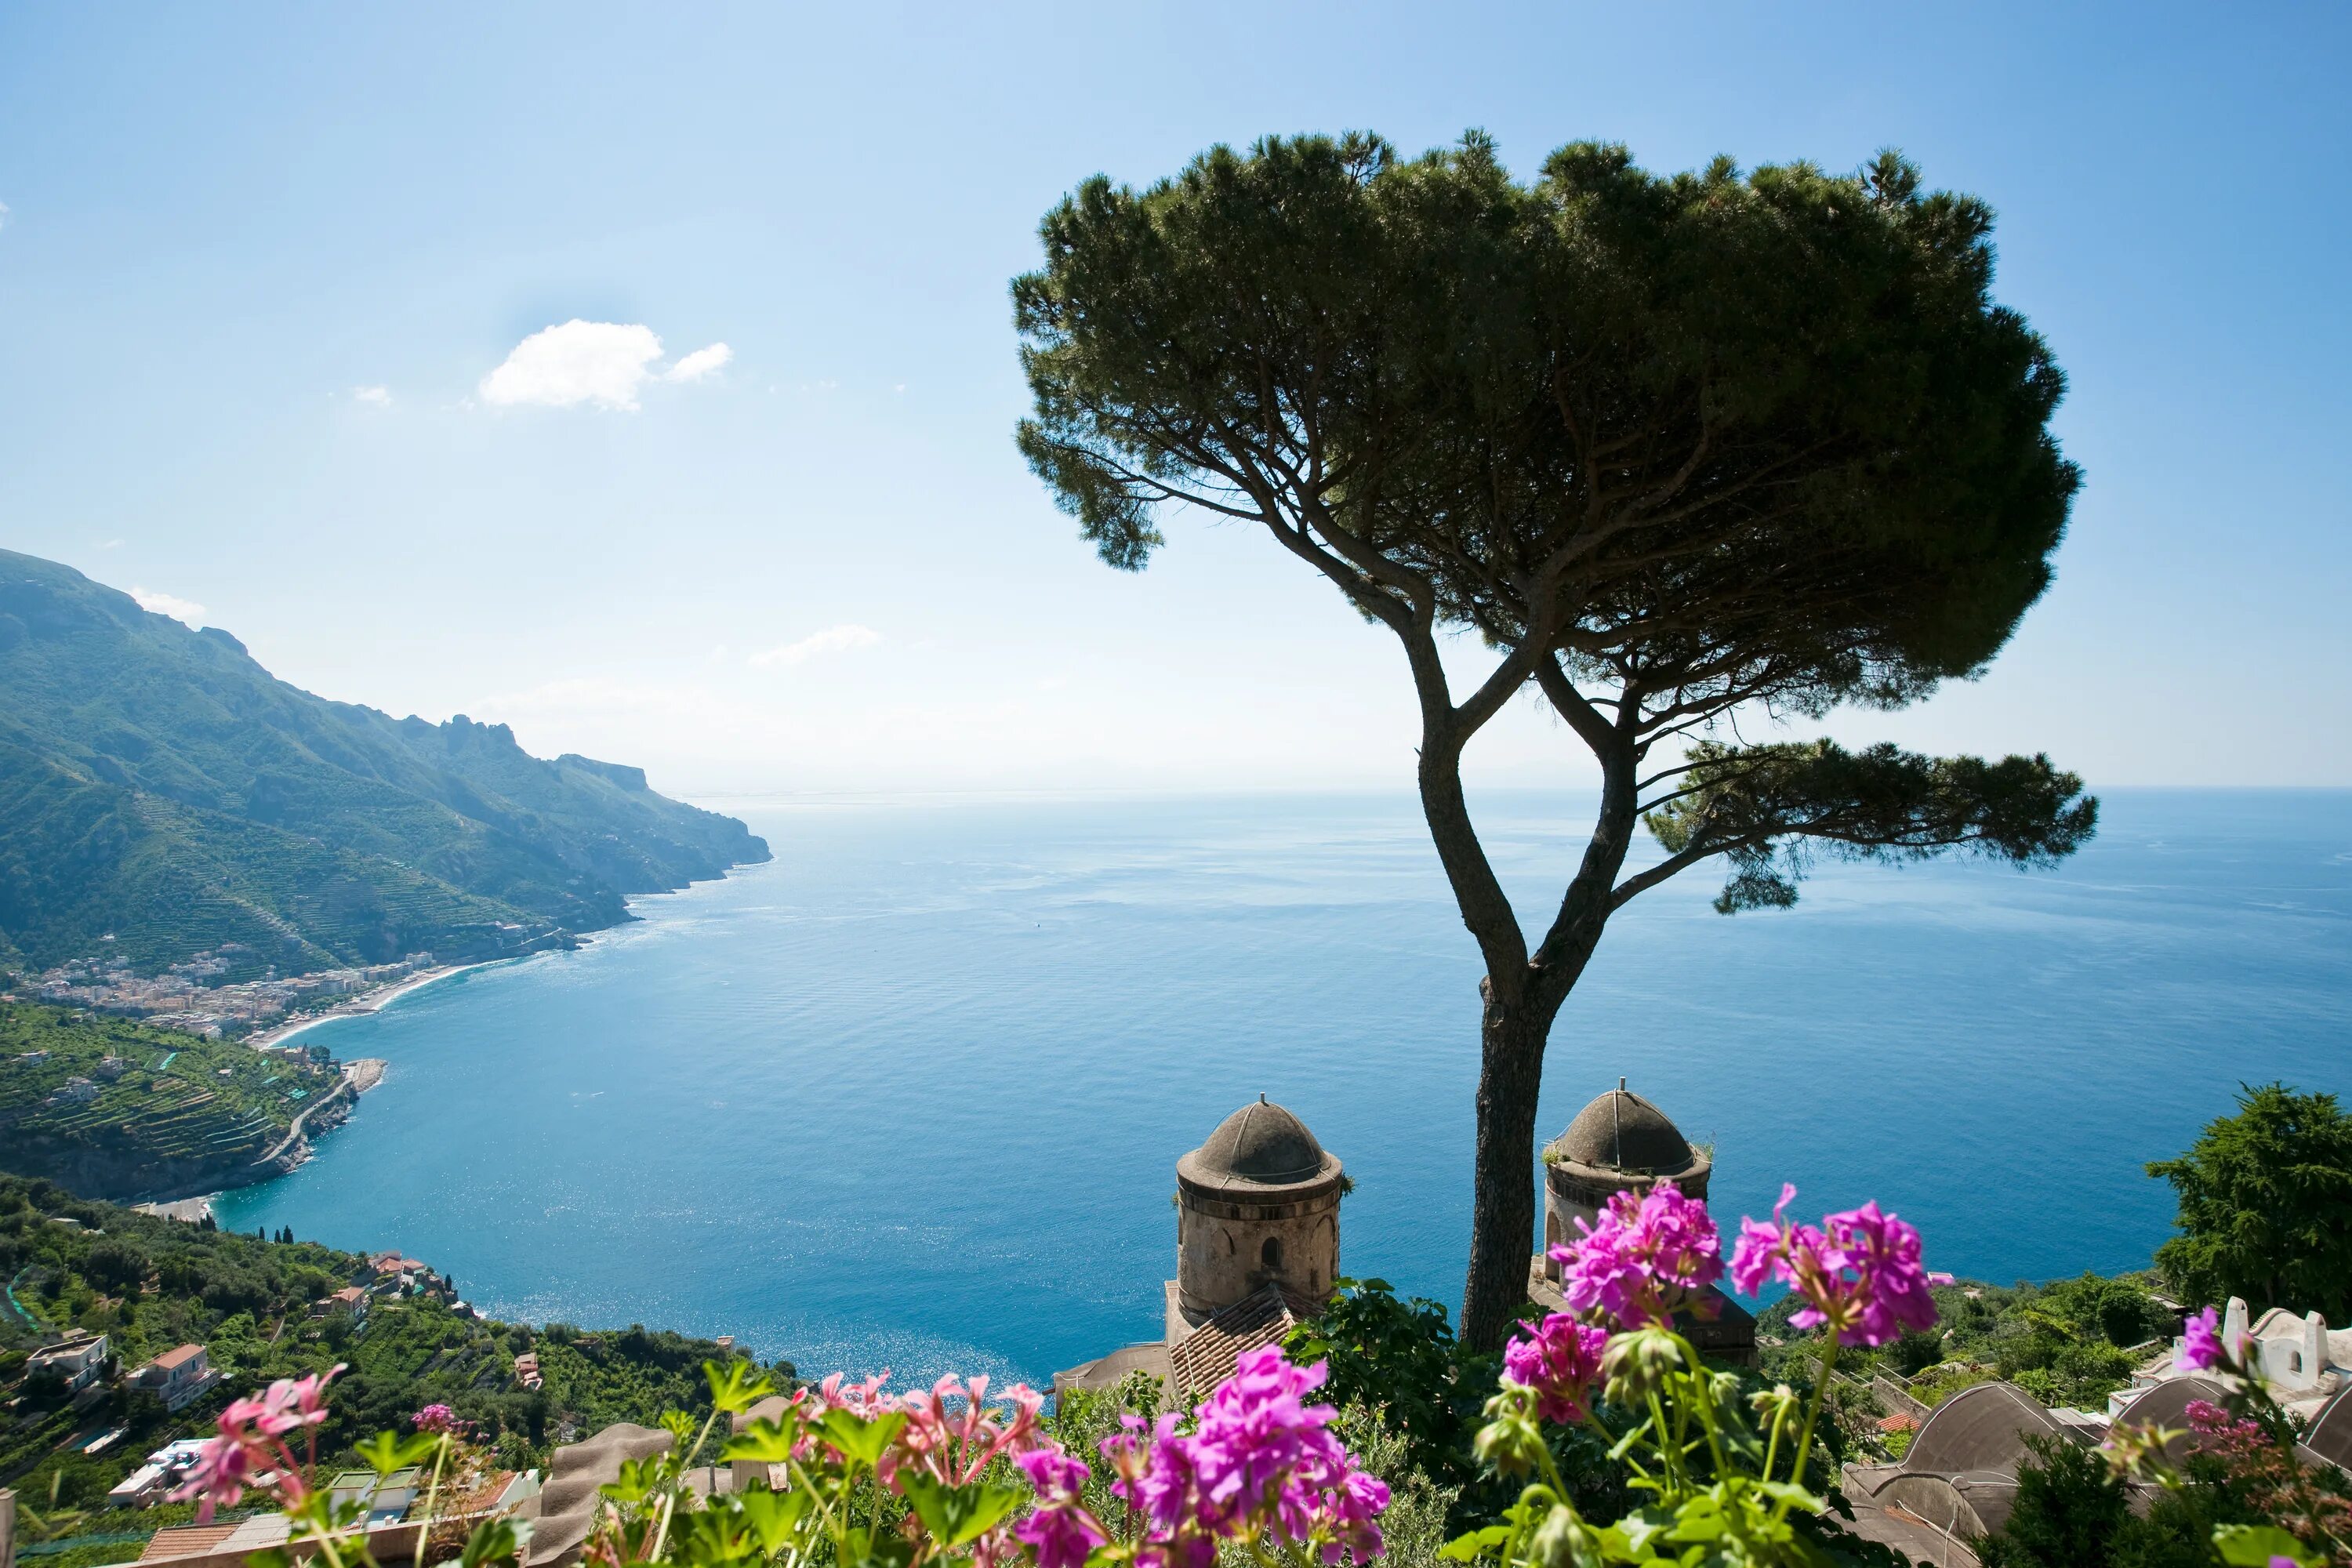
(2068, 1511)
(2263, 1195)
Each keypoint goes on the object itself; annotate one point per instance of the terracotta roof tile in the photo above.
(1206, 1357)
(188, 1541)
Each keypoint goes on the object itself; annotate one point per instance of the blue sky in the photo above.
(258, 264)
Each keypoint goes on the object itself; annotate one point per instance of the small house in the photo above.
(78, 1360)
(177, 1377)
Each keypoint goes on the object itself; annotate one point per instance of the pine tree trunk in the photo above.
(1502, 1228)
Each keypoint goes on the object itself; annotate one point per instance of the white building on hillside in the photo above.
(2303, 1362)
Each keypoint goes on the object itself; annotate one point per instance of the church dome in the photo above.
(1620, 1130)
(1262, 1145)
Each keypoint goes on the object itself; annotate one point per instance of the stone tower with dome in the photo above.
(1618, 1143)
(1257, 1205)
(1257, 1247)
(1622, 1143)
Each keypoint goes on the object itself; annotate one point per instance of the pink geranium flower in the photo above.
(2201, 1341)
(954, 1432)
(1860, 1274)
(1061, 1531)
(1560, 1359)
(1156, 1477)
(1261, 1457)
(223, 1471)
(1257, 1434)
(287, 1405)
(251, 1451)
(1647, 1258)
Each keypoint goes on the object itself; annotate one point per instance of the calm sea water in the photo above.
(911, 1095)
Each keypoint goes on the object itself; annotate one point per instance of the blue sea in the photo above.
(911, 1095)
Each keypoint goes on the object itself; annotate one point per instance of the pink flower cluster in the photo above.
(1649, 1257)
(251, 1449)
(1060, 1529)
(2219, 1430)
(1260, 1457)
(1560, 1360)
(1859, 1273)
(952, 1434)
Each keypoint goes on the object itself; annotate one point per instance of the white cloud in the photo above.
(170, 605)
(603, 362)
(816, 645)
(700, 363)
(373, 396)
(4, 214)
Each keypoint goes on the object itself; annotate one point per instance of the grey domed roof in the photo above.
(1262, 1145)
(1620, 1130)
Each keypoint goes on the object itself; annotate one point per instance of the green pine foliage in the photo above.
(158, 785)
(2267, 1206)
(164, 1100)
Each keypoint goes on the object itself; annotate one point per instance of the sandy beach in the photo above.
(374, 1000)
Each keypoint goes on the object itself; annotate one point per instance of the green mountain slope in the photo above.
(158, 786)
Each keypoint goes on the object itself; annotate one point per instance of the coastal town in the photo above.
(192, 995)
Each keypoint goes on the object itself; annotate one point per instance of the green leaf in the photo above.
(956, 1516)
(764, 1442)
(637, 1480)
(774, 1516)
(388, 1451)
(1638, 1531)
(709, 1538)
(1483, 1543)
(2253, 1546)
(495, 1541)
(1792, 1494)
(860, 1441)
(875, 1549)
(735, 1385)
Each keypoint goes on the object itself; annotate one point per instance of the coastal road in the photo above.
(359, 1076)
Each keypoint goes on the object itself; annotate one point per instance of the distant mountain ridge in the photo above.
(159, 786)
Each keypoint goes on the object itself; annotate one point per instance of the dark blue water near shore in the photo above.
(911, 1095)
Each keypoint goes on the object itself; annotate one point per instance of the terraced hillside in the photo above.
(113, 1108)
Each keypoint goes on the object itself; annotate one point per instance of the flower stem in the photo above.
(1812, 1415)
(677, 1484)
(432, 1490)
